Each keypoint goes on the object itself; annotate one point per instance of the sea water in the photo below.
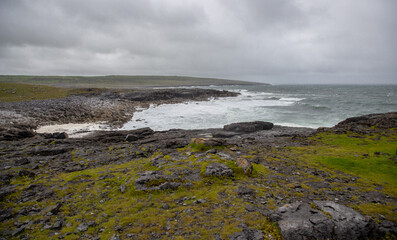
(289, 105)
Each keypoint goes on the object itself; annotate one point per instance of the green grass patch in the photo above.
(369, 157)
(11, 92)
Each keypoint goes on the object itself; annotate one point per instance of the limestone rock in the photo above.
(218, 170)
(248, 234)
(302, 221)
(208, 141)
(245, 165)
(248, 127)
(155, 180)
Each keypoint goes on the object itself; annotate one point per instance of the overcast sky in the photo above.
(275, 41)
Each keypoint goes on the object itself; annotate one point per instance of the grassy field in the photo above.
(12, 92)
(119, 81)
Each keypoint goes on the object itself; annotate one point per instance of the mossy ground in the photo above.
(353, 165)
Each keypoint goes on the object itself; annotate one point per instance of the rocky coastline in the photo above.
(255, 188)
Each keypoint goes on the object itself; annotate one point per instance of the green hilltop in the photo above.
(120, 81)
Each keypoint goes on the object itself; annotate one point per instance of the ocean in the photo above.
(310, 106)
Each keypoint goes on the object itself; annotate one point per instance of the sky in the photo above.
(273, 41)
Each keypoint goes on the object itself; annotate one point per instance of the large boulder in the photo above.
(382, 121)
(248, 127)
(322, 220)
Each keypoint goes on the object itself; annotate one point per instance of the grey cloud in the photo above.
(277, 41)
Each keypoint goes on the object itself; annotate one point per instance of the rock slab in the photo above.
(248, 127)
(321, 220)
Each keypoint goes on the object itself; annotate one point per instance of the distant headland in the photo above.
(122, 81)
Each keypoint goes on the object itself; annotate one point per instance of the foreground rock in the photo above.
(322, 220)
(248, 127)
(362, 123)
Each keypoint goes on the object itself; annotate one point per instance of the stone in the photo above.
(82, 227)
(245, 165)
(248, 234)
(166, 206)
(348, 223)
(218, 170)
(248, 127)
(243, 190)
(250, 208)
(55, 209)
(56, 135)
(210, 142)
(304, 221)
(131, 138)
(224, 134)
(57, 225)
(21, 161)
(122, 188)
(26, 173)
(115, 237)
(155, 180)
(18, 231)
(6, 178)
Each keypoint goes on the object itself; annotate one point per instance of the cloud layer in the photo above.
(277, 41)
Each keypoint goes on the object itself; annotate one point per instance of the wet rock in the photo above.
(248, 234)
(245, 165)
(218, 170)
(56, 135)
(14, 134)
(302, 221)
(248, 127)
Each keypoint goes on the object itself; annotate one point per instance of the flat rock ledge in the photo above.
(248, 127)
(322, 220)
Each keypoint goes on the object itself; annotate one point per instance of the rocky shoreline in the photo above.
(61, 187)
(115, 107)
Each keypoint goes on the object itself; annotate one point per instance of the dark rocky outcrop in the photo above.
(248, 127)
(358, 124)
(14, 134)
(322, 220)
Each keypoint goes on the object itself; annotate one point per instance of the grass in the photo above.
(369, 157)
(119, 81)
(10, 92)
